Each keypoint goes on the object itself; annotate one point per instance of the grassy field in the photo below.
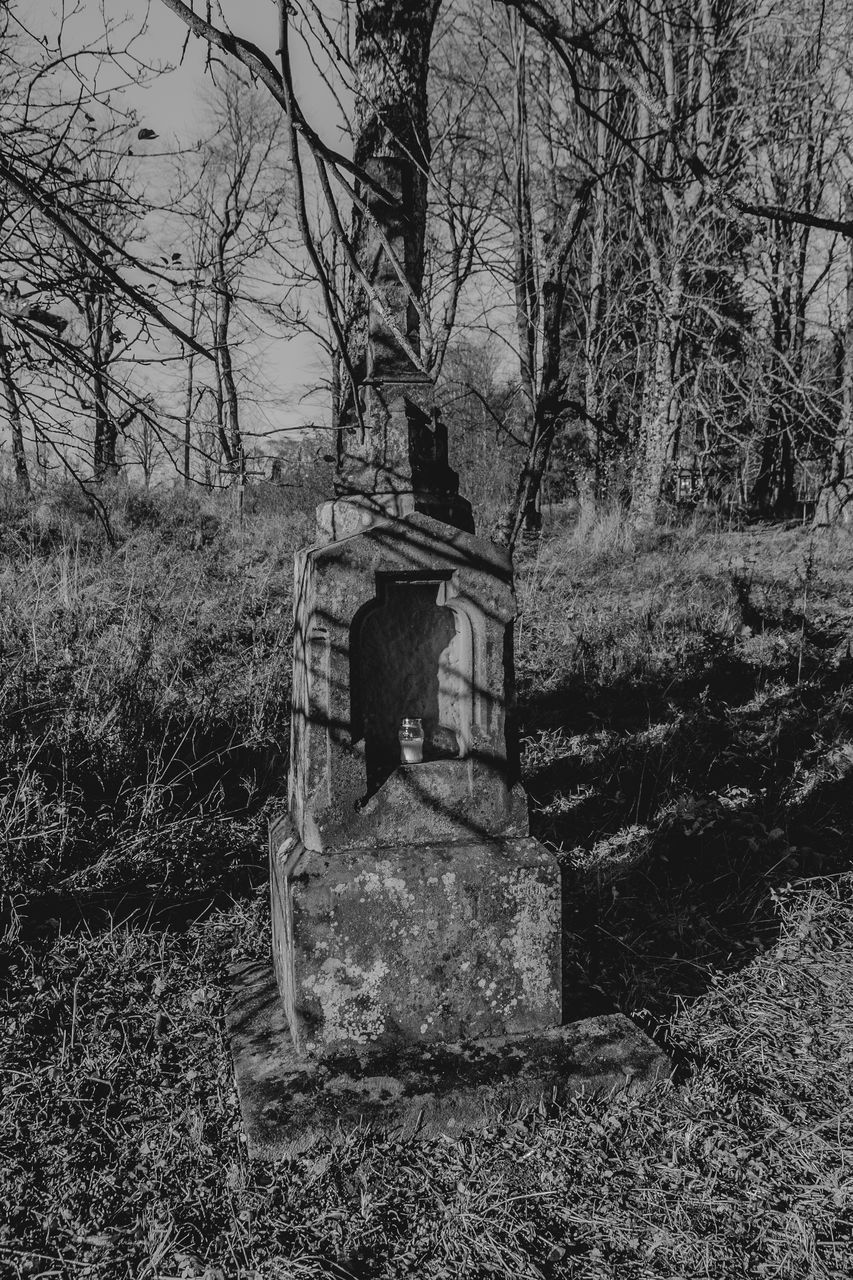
(687, 715)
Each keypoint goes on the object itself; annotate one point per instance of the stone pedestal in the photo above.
(431, 942)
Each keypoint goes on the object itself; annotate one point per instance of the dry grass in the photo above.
(123, 1154)
(686, 704)
(143, 693)
(687, 714)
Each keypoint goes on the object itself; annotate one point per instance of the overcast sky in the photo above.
(173, 104)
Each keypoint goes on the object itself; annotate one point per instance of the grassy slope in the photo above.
(686, 714)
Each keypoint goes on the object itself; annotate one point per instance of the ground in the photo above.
(686, 711)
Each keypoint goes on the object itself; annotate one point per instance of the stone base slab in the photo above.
(289, 1100)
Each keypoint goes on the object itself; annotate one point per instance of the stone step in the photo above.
(288, 1100)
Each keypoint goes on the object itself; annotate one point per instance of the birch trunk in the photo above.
(13, 410)
(835, 502)
(100, 320)
(230, 439)
(188, 401)
(660, 420)
(589, 478)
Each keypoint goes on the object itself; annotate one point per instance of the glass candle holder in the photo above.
(411, 737)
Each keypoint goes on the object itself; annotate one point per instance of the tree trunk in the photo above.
(664, 229)
(230, 438)
(660, 418)
(188, 402)
(589, 477)
(105, 432)
(773, 489)
(101, 345)
(835, 501)
(524, 508)
(526, 298)
(13, 409)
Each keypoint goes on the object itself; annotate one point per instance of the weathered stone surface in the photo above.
(421, 942)
(410, 462)
(356, 513)
(408, 618)
(290, 1099)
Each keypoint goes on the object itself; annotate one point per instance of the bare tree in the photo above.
(234, 218)
(68, 213)
(801, 133)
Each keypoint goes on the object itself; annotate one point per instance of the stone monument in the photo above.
(416, 924)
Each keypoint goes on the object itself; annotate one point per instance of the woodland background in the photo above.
(638, 283)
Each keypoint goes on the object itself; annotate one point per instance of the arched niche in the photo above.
(412, 654)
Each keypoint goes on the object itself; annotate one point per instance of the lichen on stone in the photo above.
(349, 996)
(536, 917)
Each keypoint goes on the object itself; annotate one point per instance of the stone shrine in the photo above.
(416, 924)
(409, 901)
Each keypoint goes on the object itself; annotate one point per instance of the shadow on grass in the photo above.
(164, 853)
(200, 851)
(98, 910)
(680, 799)
(679, 808)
